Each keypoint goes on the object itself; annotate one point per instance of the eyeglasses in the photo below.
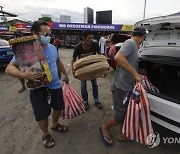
(47, 34)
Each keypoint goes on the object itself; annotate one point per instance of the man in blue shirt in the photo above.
(39, 97)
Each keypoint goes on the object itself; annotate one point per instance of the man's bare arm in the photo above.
(121, 60)
(72, 62)
(61, 67)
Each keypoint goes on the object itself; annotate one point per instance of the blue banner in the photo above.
(95, 27)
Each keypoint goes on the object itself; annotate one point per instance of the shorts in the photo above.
(120, 101)
(40, 104)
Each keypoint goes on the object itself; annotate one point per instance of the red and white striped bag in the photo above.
(148, 86)
(73, 102)
(137, 124)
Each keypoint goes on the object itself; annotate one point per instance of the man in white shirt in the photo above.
(102, 45)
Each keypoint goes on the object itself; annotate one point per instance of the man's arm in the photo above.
(75, 56)
(13, 70)
(100, 42)
(72, 62)
(62, 69)
(121, 60)
(97, 49)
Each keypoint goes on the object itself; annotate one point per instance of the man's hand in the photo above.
(139, 77)
(29, 74)
(73, 72)
(66, 78)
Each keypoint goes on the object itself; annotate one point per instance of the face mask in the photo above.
(45, 39)
(89, 43)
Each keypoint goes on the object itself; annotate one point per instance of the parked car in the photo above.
(71, 40)
(160, 57)
(6, 53)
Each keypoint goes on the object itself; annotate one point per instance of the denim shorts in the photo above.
(42, 104)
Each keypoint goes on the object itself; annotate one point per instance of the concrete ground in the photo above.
(19, 133)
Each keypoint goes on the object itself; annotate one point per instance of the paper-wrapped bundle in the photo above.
(90, 67)
(88, 60)
(29, 53)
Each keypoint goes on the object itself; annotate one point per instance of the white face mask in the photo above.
(45, 39)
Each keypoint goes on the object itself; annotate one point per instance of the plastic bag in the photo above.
(137, 124)
(148, 86)
(73, 102)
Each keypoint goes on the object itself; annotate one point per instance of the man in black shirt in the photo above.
(86, 48)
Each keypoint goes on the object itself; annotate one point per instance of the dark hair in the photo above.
(86, 33)
(116, 38)
(139, 31)
(36, 26)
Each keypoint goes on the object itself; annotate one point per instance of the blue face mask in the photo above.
(45, 39)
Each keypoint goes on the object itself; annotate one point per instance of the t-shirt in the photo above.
(51, 56)
(123, 79)
(81, 53)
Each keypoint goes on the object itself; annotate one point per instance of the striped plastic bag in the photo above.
(73, 102)
(137, 124)
(148, 86)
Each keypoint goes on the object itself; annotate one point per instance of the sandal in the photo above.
(48, 141)
(60, 128)
(107, 140)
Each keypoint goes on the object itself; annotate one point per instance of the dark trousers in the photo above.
(84, 92)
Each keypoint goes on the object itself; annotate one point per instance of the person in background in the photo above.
(39, 97)
(112, 49)
(109, 42)
(56, 42)
(125, 76)
(86, 48)
(102, 45)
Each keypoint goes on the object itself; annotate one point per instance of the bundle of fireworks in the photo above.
(90, 67)
(29, 53)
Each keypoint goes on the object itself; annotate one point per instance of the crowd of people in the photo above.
(122, 84)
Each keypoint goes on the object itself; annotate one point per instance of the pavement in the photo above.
(19, 133)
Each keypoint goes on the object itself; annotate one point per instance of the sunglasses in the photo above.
(47, 34)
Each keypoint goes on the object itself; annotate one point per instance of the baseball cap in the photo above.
(139, 30)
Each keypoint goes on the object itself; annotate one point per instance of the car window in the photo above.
(161, 36)
(4, 43)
